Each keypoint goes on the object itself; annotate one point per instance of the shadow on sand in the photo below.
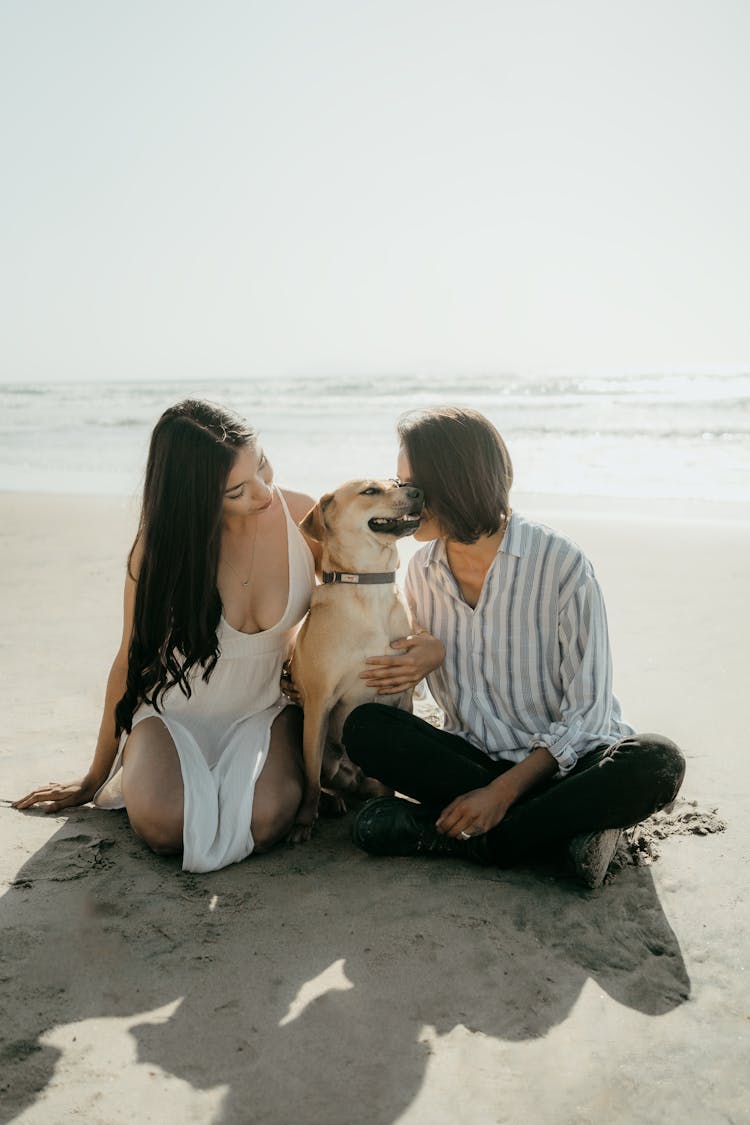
(95, 926)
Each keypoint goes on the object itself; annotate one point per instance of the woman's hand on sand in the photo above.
(472, 814)
(59, 796)
(418, 655)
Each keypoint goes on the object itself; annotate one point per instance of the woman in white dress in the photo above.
(196, 740)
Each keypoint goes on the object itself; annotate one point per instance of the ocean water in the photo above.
(659, 437)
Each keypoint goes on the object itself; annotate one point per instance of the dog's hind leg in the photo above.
(342, 776)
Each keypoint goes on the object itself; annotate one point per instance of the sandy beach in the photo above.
(320, 985)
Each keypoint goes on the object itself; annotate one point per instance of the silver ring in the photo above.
(465, 835)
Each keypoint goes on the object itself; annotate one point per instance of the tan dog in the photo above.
(356, 613)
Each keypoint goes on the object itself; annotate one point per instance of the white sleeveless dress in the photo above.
(222, 732)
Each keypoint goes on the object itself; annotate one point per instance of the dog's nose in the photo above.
(413, 493)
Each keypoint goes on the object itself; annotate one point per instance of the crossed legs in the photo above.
(613, 787)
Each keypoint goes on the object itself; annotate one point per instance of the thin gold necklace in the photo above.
(245, 581)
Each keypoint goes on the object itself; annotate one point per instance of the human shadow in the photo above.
(303, 981)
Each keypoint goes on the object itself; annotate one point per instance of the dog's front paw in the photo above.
(300, 833)
(304, 821)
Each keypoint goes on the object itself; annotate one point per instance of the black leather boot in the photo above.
(392, 826)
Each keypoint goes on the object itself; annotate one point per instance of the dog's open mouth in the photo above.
(395, 525)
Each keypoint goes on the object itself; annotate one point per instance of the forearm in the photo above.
(482, 809)
(107, 741)
(538, 767)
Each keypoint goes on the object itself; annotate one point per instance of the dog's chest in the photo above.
(370, 615)
(345, 626)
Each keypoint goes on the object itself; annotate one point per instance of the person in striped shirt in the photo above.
(534, 756)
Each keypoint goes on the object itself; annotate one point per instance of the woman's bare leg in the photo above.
(279, 788)
(154, 796)
(152, 786)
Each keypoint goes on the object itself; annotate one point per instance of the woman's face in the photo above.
(248, 489)
(429, 528)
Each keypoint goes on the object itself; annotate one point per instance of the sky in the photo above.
(251, 189)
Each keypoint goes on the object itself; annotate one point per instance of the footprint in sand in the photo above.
(72, 857)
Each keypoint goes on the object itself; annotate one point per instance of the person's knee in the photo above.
(160, 829)
(669, 764)
(660, 763)
(152, 787)
(272, 823)
(274, 812)
(364, 730)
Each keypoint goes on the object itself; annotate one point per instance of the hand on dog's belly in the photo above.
(417, 656)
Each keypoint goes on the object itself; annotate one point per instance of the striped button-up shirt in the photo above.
(530, 665)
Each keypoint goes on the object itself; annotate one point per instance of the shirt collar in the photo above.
(512, 544)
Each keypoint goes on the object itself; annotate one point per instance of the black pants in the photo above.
(612, 787)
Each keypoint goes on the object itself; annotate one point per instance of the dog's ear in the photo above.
(314, 524)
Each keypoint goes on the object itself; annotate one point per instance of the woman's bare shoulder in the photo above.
(298, 503)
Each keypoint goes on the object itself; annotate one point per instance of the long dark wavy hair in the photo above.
(177, 605)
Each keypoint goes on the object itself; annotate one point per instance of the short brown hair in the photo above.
(461, 463)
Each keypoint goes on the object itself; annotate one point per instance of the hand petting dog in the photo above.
(419, 654)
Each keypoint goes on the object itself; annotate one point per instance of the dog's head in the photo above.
(383, 509)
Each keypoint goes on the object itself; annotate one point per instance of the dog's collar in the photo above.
(368, 579)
